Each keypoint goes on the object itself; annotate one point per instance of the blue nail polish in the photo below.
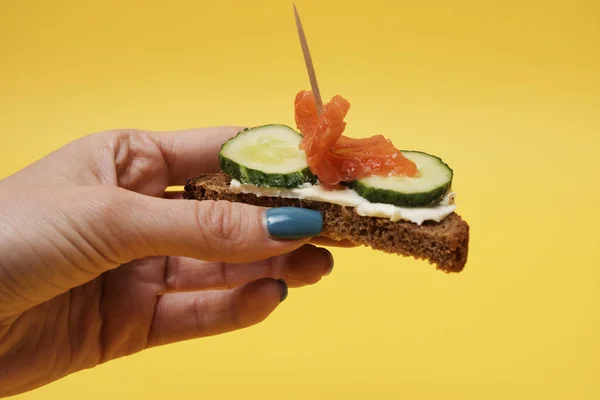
(293, 222)
(284, 290)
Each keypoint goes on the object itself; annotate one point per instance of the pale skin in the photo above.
(98, 262)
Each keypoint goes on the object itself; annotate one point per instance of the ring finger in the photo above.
(304, 266)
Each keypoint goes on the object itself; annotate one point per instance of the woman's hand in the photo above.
(95, 262)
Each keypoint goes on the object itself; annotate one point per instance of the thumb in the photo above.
(211, 230)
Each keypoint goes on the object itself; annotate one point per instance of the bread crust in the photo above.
(444, 244)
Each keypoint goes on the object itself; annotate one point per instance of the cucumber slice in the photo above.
(428, 187)
(266, 156)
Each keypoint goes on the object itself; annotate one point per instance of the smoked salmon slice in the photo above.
(336, 158)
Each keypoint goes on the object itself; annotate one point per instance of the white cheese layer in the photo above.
(348, 197)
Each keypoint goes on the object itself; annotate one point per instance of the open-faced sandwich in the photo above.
(369, 192)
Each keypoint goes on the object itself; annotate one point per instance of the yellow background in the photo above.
(507, 92)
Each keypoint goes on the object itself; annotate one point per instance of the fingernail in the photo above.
(330, 256)
(293, 222)
(284, 290)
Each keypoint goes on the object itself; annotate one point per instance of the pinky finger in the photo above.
(184, 316)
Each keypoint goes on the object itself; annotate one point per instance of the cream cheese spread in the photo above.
(348, 197)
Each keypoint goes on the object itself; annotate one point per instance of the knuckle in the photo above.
(136, 154)
(200, 314)
(173, 275)
(222, 223)
(228, 276)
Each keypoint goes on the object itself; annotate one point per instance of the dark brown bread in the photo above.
(443, 244)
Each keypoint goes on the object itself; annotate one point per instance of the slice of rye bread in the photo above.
(444, 244)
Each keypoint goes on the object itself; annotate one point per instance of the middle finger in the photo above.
(304, 266)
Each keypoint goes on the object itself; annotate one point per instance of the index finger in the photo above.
(191, 152)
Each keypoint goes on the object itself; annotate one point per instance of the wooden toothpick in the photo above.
(309, 64)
